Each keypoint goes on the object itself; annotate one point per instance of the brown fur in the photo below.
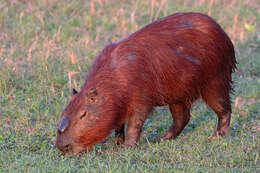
(172, 61)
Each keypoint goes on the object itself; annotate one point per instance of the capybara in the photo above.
(173, 61)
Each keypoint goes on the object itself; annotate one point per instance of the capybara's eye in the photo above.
(83, 115)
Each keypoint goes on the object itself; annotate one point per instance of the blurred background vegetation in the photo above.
(46, 46)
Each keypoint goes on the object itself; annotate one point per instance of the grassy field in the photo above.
(46, 47)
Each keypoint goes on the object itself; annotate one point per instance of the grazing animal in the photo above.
(173, 61)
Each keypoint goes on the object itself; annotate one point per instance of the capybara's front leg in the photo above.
(181, 116)
(134, 129)
(120, 135)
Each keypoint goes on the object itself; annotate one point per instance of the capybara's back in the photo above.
(172, 61)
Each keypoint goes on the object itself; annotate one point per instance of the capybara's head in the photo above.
(85, 121)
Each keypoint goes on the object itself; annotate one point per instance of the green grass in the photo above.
(47, 46)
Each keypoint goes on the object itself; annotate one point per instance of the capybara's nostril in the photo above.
(67, 148)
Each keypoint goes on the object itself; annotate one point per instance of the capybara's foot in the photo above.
(168, 135)
(129, 144)
(119, 135)
(172, 133)
(118, 140)
(222, 132)
(156, 139)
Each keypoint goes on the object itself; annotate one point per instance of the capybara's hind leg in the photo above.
(181, 116)
(217, 97)
(120, 135)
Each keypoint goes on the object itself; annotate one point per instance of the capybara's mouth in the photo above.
(69, 147)
(66, 149)
(74, 150)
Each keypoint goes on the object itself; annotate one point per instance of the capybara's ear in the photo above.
(74, 91)
(64, 124)
(92, 94)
